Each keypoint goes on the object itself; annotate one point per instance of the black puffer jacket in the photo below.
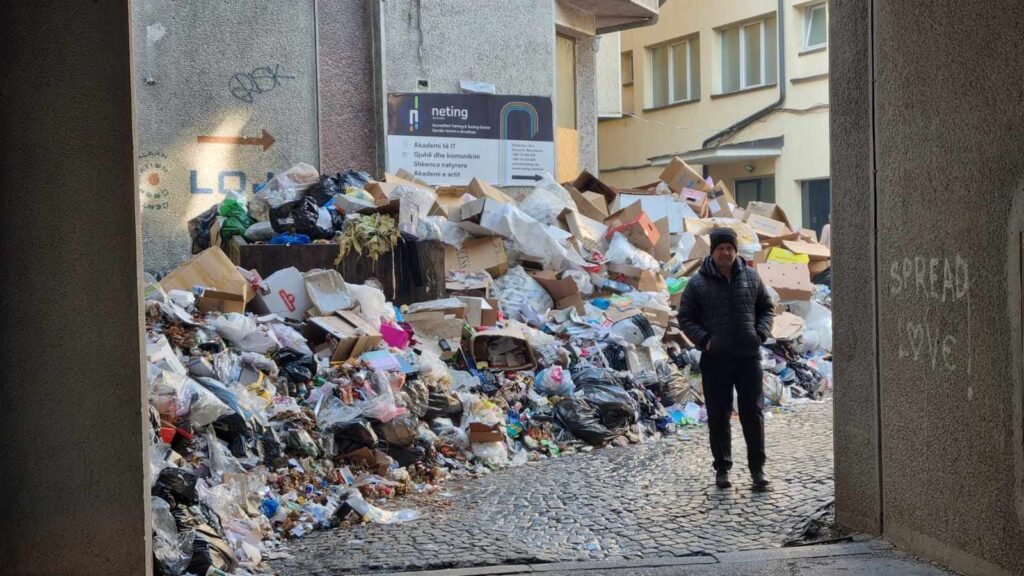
(734, 315)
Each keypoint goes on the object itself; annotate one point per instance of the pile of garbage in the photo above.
(300, 401)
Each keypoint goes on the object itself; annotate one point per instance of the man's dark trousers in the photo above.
(720, 374)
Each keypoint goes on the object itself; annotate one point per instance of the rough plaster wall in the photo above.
(949, 118)
(73, 475)
(512, 48)
(586, 102)
(347, 100)
(203, 61)
(609, 75)
(858, 502)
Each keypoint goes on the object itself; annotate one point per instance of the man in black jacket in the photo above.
(727, 314)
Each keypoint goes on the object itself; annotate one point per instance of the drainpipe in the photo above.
(630, 25)
(780, 17)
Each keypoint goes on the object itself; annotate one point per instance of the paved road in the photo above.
(655, 500)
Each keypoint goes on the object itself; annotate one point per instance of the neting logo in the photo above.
(414, 115)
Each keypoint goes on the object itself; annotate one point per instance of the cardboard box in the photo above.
(588, 183)
(657, 207)
(721, 193)
(813, 251)
(472, 213)
(614, 314)
(480, 311)
(475, 284)
(409, 176)
(283, 293)
(651, 281)
(663, 249)
(766, 227)
(721, 208)
(449, 198)
(211, 269)
(640, 232)
(808, 235)
(768, 210)
(224, 302)
(787, 326)
(480, 433)
(599, 202)
(354, 334)
(486, 254)
(826, 235)
(678, 175)
(503, 349)
(436, 309)
(781, 255)
(740, 214)
(586, 231)
(565, 292)
(697, 200)
(791, 281)
(481, 189)
(657, 317)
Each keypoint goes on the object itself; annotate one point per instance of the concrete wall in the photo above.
(946, 116)
(75, 497)
(347, 100)
(229, 68)
(609, 75)
(629, 142)
(586, 102)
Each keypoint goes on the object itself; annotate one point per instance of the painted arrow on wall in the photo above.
(265, 140)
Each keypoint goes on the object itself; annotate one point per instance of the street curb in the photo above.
(823, 551)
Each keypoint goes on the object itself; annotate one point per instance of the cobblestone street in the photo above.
(651, 500)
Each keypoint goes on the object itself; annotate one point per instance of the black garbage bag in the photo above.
(300, 443)
(443, 405)
(605, 391)
(823, 277)
(209, 549)
(300, 217)
(172, 549)
(295, 366)
(177, 486)
(415, 397)
(408, 455)
(200, 226)
(649, 408)
(351, 436)
(324, 190)
(400, 432)
(582, 420)
(352, 178)
(616, 356)
(672, 387)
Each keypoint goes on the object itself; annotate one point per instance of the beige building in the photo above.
(708, 83)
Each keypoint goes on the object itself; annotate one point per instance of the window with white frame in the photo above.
(749, 55)
(816, 26)
(675, 72)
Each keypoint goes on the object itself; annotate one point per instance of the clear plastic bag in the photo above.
(547, 201)
(373, 305)
(286, 186)
(554, 381)
(491, 453)
(289, 337)
(221, 460)
(622, 252)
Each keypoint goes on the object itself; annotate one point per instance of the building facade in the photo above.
(230, 92)
(739, 87)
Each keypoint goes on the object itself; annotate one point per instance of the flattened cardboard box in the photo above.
(587, 206)
(678, 175)
(487, 254)
(587, 231)
(766, 227)
(813, 251)
(481, 189)
(787, 326)
(565, 292)
(791, 281)
(354, 334)
(210, 269)
(430, 333)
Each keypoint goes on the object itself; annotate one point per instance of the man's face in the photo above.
(724, 255)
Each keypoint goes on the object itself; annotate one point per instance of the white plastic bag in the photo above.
(547, 201)
(260, 231)
(517, 288)
(621, 251)
(818, 319)
(289, 337)
(373, 305)
(233, 326)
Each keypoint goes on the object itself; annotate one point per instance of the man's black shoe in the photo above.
(761, 482)
(722, 479)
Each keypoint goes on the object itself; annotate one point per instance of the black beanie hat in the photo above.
(723, 235)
